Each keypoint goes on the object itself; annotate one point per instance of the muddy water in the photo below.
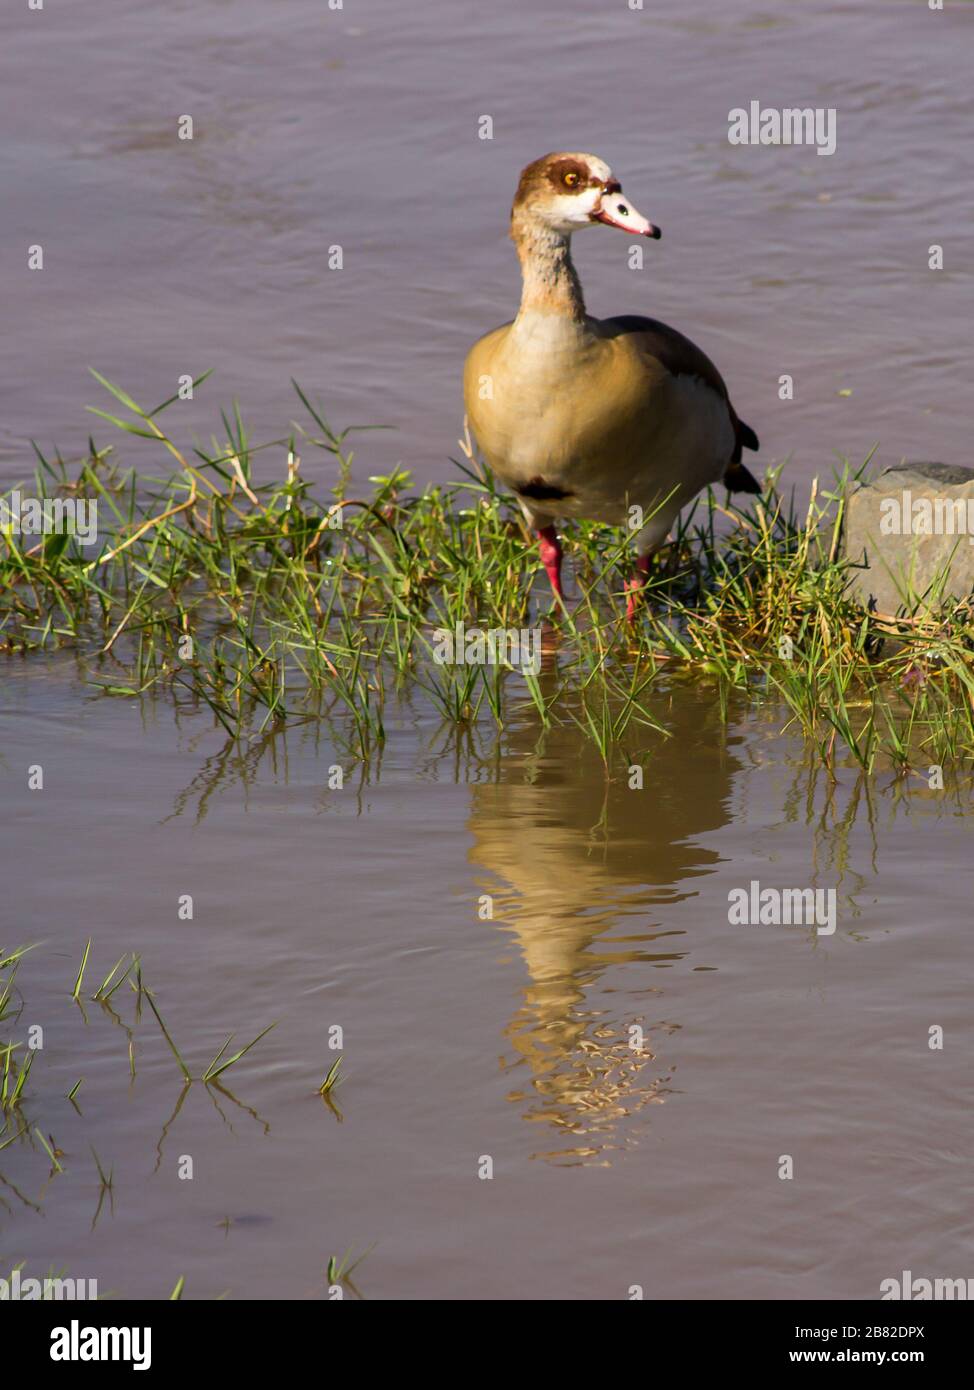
(358, 127)
(466, 1037)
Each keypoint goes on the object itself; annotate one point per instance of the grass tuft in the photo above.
(228, 586)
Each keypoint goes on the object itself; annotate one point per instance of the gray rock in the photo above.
(912, 527)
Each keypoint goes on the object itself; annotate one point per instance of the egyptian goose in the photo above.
(585, 417)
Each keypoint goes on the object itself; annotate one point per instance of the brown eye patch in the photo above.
(569, 174)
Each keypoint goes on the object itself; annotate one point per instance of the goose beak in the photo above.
(616, 211)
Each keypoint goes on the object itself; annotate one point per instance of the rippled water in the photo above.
(467, 1036)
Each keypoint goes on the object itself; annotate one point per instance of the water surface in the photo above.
(466, 1037)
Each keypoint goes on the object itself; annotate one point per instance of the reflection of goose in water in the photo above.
(581, 858)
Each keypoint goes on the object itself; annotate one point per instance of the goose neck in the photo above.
(550, 283)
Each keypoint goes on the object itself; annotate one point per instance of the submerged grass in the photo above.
(220, 1063)
(264, 604)
(20, 1095)
(340, 1269)
(332, 1080)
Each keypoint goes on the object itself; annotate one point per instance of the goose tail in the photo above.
(737, 478)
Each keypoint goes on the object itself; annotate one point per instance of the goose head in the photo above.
(566, 192)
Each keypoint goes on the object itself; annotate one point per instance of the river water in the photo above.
(465, 1037)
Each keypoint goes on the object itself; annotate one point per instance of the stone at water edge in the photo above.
(911, 496)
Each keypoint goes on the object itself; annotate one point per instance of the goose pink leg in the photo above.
(550, 549)
(634, 586)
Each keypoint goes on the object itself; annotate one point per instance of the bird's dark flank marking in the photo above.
(537, 490)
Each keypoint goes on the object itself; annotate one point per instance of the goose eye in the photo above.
(571, 179)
